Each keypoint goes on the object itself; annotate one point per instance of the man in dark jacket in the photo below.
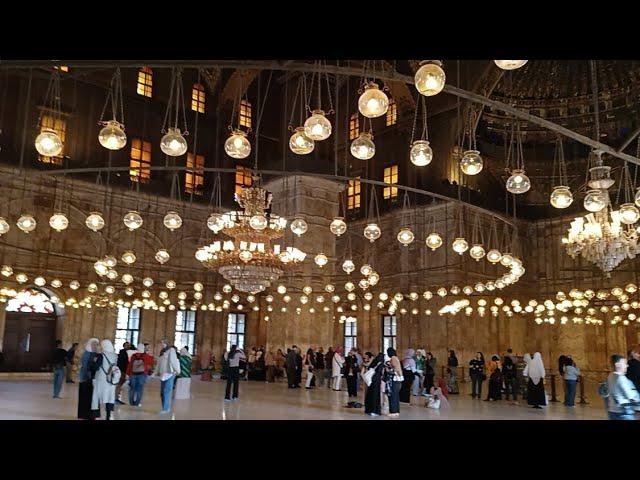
(58, 361)
(123, 363)
(290, 366)
(328, 362)
(71, 353)
(633, 370)
(319, 371)
(298, 367)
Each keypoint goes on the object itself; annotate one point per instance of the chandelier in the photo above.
(248, 260)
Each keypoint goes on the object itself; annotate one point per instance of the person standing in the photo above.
(417, 379)
(270, 366)
(476, 372)
(123, 363)
(58, 361)
(290, 363)
(408, 373)
(359, 361)
(351, 373)
(298, 366)
(71, 355)
(183, 382)
(633, 369)
(393, 381)
(430, 372)
(320, 366)
(372, 403)
(337, 363)
(452, 368)
(571, 374)
(105, 380)
(452, 362)
(509, 377)
(233, 372)
(251, 362)
(280, 363)
(535, 385)
(167, 368)
(495, 379)
(328, 363)
(623, 397)
(309, 363)
(89, 363)
(139, 367)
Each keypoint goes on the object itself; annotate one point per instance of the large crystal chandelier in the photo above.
(248, 261)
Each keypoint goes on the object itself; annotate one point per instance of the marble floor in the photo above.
(31, 400)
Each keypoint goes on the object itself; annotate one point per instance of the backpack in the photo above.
(137, 364)
(113, 373)
(603, 389)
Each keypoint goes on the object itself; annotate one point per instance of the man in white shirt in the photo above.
(623, 396)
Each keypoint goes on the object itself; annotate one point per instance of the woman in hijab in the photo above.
(535, 386)
(495, 379)
(430, 371)
(393, 380)
(104, 382)
(89, 363)
(167, 368)
(183, 382)
(372, 403)
(336, 368)
(417, 378)
(233, 358)
(139, 367)
(409, 373)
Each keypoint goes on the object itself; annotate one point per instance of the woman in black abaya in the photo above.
(372, 403)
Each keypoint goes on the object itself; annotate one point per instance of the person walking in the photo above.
(476, 372)
(633, 369)
(71, 356)
(106, 380)
(337, 363)
(509, 377)
(89, 363)
(123, 363)
(535, 385)
(623, 398)
(372, 403)
(167, 368)
(138, 369)
(408, 373)
(233, 372)
(571, 374)
(393, 380)
(319, 372)
(183, 382)
(310, 364)
(59, 360)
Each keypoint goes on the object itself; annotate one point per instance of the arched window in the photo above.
(30, 301)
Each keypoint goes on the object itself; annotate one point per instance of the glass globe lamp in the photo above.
(421, 153)
(637, 200)
(21, 278)
(317, 127)
(4, 226)
(477, 252)
(162, 256)
(112, 274)
(629, 213)
(112, 136)
(321, 260)
(338, 226)
(366, 270)
(363, 147)
(471, 162)
(258, 222)
(299, 143)
(373, 102)
(494, 256)
(48, 143)
(74, 284)
(94, 221)
(40, 281)
(281, 289)
(372, 232)
(26, 223)
(433, 241)
(518, 182)
(127, 278)
(128, 257)
(299, 226)
(173, 143)
(132, 220)
(506, 259)
(430, 78)
(510, 64)
(100, 267)
(215, 222)
(6, 270)
(110, 261)
(55, 283)
(405, 236)
(374, 278)
(59, 222)
(460, 245)
(171, 284)
(172, 221)
(147, 281)
(363, 284)
(245, 255)
(595, 200)
(348, 266)
(561, 197)
(349, 287)
(237, 145)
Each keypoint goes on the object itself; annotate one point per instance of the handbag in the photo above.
(433, 402)
(368, 376)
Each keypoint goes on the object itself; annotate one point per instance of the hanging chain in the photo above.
(167, 113)
(295, 102)
(596, 104)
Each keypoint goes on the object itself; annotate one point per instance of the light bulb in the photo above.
(215, 222)
(510, 64)
(460, 245)
(373, 102)
(518, 182)
(55, 283)
(127, 278)
(561, 197)
(321, 260)
(405, 236)
(171, 284)
(430, 78)
(26, 223)
(362, 147)
(128, 257)
(112, 136)
(112, 274)
(172, 221)
(173, 143)
(94, 221)
(162, 256)
(299, 226)
(637, 200)
(237, 145)
(6, 270)
(147, 281)
(338, 226)
(48, 143)
(4, 226)
(40, 281)
(477, 252)
(494, 256)
(366, 269)
(372, 232)
(471, 162)
(348, 266)
(110, 261)
(433, 241)
(595, 200)
(58, 222)
(132, 220)
(100, 267)
(21, 278)
(317, 127)
(281, 289)
(421, 153)
(299, 143)
(629, 213)
(258, 222)
(74, 284)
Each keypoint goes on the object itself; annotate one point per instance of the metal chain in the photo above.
(169, 102)
(596, 105)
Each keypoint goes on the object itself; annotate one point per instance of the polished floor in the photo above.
(31, 400)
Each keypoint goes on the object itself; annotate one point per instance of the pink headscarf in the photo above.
(339, 350)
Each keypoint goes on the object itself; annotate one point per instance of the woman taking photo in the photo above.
(233, 358)
(393, 379)
(476, 372)
(409, 373)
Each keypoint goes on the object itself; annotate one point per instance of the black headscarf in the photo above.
(232, 352)
(391, 352)
(377, 360)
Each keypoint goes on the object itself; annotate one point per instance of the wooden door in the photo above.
(29, 341)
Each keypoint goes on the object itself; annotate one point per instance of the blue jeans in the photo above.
(136, 387)
(166, 389)
(569, 400)
(621, 416)
(58, 377)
